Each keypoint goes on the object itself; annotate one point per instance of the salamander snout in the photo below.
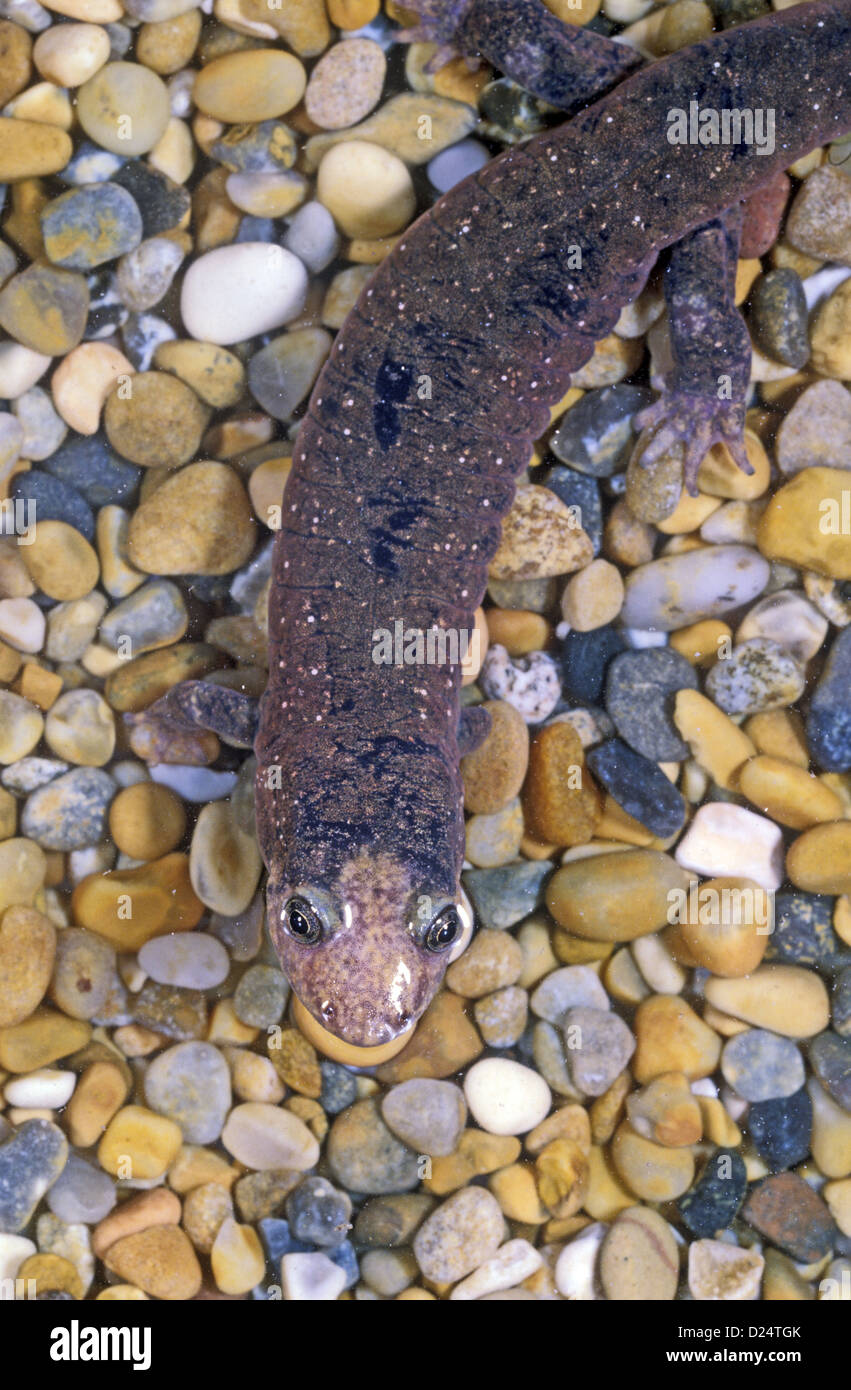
(366, 953)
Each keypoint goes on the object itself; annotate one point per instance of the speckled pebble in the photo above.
(318, 1212)
(640, 690)
(71, 811)
(190, 1083)
(30, 1162)
(713, 1202)
(762, 1066)
(88, 226)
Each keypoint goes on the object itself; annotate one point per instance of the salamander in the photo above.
(424, 416)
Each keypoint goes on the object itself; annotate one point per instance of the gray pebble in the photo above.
(71, 811)
(762, 1066)
(30, 1162)
(190, 1083)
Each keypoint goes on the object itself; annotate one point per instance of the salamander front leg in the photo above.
(186, 724)
(704, 399)
(560, 63)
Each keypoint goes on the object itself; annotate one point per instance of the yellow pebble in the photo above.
(716, 743)
(700, 642)
(787, 793)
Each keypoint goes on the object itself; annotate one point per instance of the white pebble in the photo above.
(20, 368)
(531, 684)
(311, 1277)
(22, 624)
(657, 965)
(264, 1136)
(789, 619)
(725, 841)
(236, 292)
(679, 589)
(513, 1262)
(456, 163)
(13, 1251)
(193, 783)
(313, 237)
(505, 1097)
(189, 960)
(48, 1089)
(576, 1266)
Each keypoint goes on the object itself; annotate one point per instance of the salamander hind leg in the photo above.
(704, 401)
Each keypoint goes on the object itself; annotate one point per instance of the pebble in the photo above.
(762, 1066)
(640, 691)
(561, 802)
(781, 1129)
(803, 932)
(494, 772)
(80, 728)
(261, 996)
(61, 562)
(816, 433)
(43, 430)
(819, 221)
(639, 787)
(22, 624)
(31, 149)
(20, 368)
(820, 859)
(318, 1213)
(236, 1258)
(429, 1116)
(86, 227)
(779, 316)
(30, 1162)
(237, 292)
(730, 841)
(190, 1083)
(828, 724)
(44, 308)
(90, 465)
(457, 162)
(368, 190)
(759, 675)
(205, 1209)
(681, 589)
(639, 1259)
(540, 538)
(22, 872)
(21, 727)
(27, 951)
(792, 1216)
(164, 204)
(461, 1235)
(146, 820)
(802, 524)
(40, 1040)
(160, 1261)
(615, 897)
(254, 85)
(713, 1202)
(531, 685)
(599, 1046)
(654, 1172)
(311, 1276)
(163, 897)
(493, 960)
(157, 1207)
(505, 1097)
(595, 435)
(224, 862)
(145, 273)
(396, 127)
(670, 1037)
(574, 986)
(263, 1137)
(157, 421)
(15, 52)
(71, 811)
(83, 974)
(124, 108)
(281, 375)
(830, 1058)
(443, 1042)
(81, 1193)
(69, 54)
(196, 522)
(138, 1143)
(345, 84)
(785, 999)
(718, 1271)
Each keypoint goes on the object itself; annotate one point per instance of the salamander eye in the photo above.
(443, 931)
(302, 921)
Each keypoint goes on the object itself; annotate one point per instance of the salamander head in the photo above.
(366, 952)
